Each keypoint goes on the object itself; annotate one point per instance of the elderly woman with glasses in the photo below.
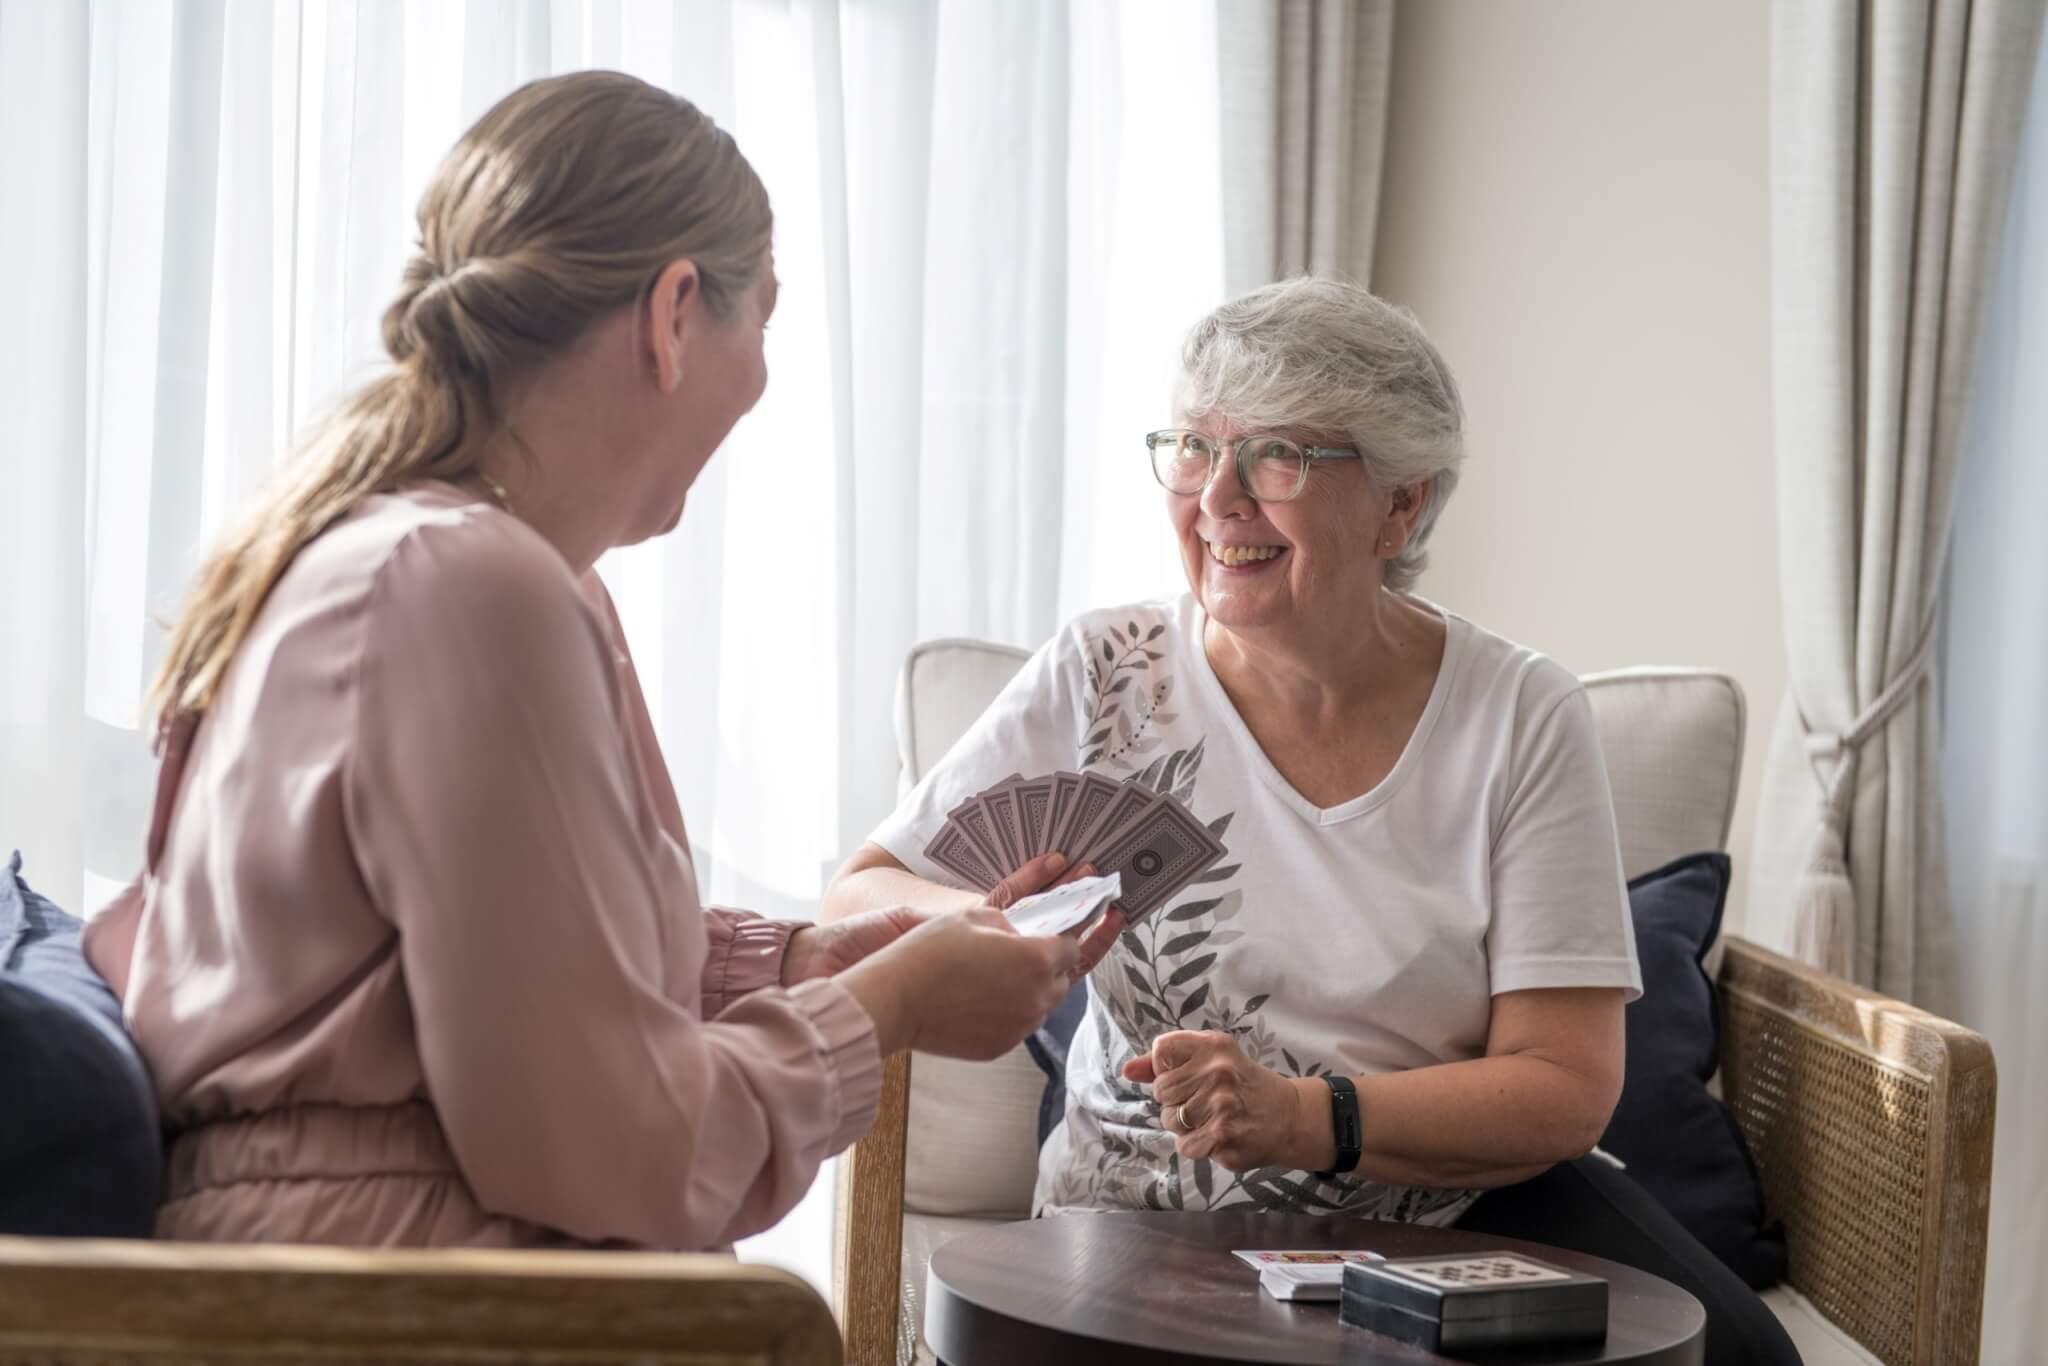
(1400, 993)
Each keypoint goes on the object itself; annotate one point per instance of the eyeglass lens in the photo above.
(1272, 466)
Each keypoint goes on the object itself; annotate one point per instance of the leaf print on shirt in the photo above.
(1128, 697)
(1161, 976)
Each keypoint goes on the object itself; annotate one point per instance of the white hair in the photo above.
(1330, 357)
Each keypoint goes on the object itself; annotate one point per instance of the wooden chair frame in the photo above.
(70, 1302)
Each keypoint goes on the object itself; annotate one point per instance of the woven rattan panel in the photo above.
(1838, 1140)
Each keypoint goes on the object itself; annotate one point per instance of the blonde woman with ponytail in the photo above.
(417, 956)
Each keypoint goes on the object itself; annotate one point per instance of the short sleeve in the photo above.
(1560, 915)
(1031, 728)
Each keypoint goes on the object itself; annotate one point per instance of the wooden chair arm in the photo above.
(1871, 1122)
(114, 1303)
(868, 1232)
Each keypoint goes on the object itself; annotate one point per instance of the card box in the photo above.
(1474, 1300)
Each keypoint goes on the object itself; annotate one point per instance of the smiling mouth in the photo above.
(1239, 556)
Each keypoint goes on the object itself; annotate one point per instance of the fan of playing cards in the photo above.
(1150, 843)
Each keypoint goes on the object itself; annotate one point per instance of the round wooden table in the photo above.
(1160, 1288)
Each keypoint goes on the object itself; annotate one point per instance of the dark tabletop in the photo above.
(1159, 1288)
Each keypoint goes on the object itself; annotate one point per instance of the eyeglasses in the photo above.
(1271, 469)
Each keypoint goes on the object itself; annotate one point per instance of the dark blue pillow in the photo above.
(1048, 1045)
(1680, 1142)
(80, 1152)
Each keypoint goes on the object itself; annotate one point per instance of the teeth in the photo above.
(1242, 554)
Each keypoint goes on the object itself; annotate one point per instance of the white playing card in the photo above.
(1307, 1282)
(1062, 908)
(1265, 1257)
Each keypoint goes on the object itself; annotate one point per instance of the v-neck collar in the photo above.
(1456, 630)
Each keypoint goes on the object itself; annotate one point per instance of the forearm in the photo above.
(1488, 1122)
(873, 889)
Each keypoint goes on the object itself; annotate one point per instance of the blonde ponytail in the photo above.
(560, 206)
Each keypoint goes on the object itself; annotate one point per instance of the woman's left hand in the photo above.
(827, 950)
(1218, 1103)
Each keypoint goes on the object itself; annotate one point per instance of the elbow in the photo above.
(1585, 1120)
(1567, 1139)
(848, 893)
(1573, 1115)
(1580, 1141)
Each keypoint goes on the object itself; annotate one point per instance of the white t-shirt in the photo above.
(1360, 938)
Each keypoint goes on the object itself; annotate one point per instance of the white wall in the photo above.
(1575, 205)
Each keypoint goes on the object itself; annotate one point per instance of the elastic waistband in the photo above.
(311, 1143)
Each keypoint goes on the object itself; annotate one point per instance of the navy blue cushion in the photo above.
(1680, 1143)
(80, 1152)
(1048, 1045)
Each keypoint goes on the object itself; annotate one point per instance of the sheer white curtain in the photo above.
(1995, 758)
(992, 224)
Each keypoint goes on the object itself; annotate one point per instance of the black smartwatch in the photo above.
(1344, 1124)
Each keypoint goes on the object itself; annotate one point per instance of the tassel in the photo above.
(1824, 919)
(1824, 904)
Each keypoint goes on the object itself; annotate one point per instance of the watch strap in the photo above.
(1346, 1126)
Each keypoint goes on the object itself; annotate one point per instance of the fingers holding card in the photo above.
(1065, 906)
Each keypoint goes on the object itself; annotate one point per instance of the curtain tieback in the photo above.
(1824, 909)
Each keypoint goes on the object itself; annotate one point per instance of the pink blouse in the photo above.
(417, 957)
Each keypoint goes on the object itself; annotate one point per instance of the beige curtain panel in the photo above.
(1894, 129)
(1304, 105)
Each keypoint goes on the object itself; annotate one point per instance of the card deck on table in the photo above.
(1261, 1257)
(1474, 1301)
(1306, 1275)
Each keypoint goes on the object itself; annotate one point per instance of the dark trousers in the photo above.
(1592, 1207)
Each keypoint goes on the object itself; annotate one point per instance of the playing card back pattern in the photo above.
(1149, 838)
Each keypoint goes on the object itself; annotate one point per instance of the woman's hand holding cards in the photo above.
(1043, 874)
(826, 950)
(964, 985)
(967, 985)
